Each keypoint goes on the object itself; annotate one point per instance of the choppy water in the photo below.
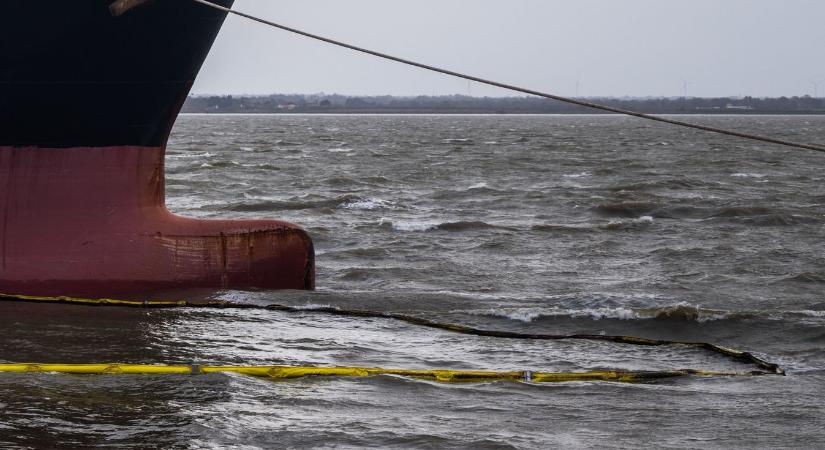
(589, 224)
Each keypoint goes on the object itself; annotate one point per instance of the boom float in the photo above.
(89, 91)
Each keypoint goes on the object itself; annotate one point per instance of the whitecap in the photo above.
(644, 220)
(190, 155)
(410, 225)
(692, 195)
(530, 314)
(809, 313)
(314, 306)
(681, 310)
(366, 204)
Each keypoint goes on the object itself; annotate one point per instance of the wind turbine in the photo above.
(685, 85)
(816, 84)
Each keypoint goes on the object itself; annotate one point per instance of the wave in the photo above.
(662, 184)
(313, 306)
(469, 225)
(466, 141)
(748, 215)
(552, 227)
(629, 224)
(626, 209)
(221, 164)
(762, 216)
(264, 166)
(287, 143)
(423, 226)
(412, 225)
(679, 312)
(378, 273)
(683, 312)
(779, 220)
(471, 191)
(339, 180)
(189, 155)
(362, 252)
(343, 181)
(742, 211)
(264, 205)
(613, 225)
(806, 277)
(366, 204)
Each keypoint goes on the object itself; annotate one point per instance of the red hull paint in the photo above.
(93, 222)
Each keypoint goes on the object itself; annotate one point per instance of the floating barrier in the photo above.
(285, 372)
(441, 376)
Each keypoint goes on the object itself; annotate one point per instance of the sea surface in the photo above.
(558, 224)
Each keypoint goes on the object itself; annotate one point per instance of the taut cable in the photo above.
(573, 101)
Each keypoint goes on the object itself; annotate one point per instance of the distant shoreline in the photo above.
(458, 104)
(603, 114)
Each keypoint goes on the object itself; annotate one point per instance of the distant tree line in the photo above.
(461, 104)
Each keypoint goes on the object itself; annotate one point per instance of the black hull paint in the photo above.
(72, 75)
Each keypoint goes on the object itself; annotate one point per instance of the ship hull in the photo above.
(73, 75)
(87, 101)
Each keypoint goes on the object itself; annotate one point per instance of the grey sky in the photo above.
(613, 47)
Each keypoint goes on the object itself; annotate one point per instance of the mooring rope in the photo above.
(737, 355)
(510, 87)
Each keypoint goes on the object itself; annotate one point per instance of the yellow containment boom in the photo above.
(295, 372)
(96, 369)
(763, 365)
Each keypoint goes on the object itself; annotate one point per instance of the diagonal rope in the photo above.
(573, 101)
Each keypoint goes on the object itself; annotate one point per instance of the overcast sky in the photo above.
(607, 47)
